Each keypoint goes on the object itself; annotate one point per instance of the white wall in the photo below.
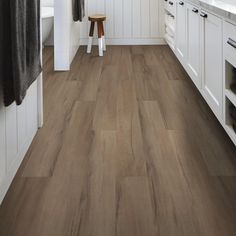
(66, 33)
(47, 3)
(128, 21)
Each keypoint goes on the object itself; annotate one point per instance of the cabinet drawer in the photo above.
(230, 39)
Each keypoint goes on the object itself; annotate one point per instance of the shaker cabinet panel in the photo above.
(212, 71)
(181, 30)
(193, 43)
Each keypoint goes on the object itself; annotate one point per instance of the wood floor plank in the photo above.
(64, 198)
(172, 197)
(143, 77)
(202, 189)
(212, 149)
(88, 77)
(172, 66)
(18, 214)
(101, 190)
(135, 219)
(169, 105)
(130, 157)
(41, 161)
(106, 102)
(150, 111)
(128, 147)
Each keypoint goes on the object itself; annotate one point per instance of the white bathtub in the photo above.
(47, 21)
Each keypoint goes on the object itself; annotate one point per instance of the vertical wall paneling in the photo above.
(84, 25)
(128, 21)
(118, 21)
(145, 18)
(48, 3)
(31, 110)
(21, 124)
(154, 18)
(110, 19)
(18, 126)
(127, 18)
(136, 21)
(100, 6)
(11, 135)
(161, 18)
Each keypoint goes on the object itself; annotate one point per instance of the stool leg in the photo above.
(90, 41)
(100, 44)
(103, 38)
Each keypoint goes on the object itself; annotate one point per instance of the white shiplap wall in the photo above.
(47, 3)
(128, 21)
(18, 125)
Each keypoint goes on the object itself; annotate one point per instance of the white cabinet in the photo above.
(181, 30)
(193, 43)
(199, 41)
(212, 59)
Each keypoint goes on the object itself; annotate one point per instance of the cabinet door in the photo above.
(181, 31)
(212, 71)
(193, 43)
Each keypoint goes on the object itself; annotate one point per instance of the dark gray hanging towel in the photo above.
(78, 10)
(21, 43)
(6, 72)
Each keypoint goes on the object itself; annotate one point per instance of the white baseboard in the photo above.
(154, 41)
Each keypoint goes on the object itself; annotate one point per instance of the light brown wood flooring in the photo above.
(128, 148)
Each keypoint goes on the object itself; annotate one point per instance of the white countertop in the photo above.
(224, 8)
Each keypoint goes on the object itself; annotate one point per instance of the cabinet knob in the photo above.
(171, 3)
(195, 10)
(203, 14)
(181, 3)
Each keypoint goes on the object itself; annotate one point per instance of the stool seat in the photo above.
(97, 17)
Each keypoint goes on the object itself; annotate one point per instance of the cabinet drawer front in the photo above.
(212, 62)
(230, 39)
(181, 30)
(193, 43)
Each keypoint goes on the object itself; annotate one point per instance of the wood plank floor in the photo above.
(128, 148)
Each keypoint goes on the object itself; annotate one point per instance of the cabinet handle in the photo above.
(171, 3)
(181, 3)
(231, 42)
(195, 10)
(204, 15)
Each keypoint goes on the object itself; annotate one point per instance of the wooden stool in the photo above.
(101, 35)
